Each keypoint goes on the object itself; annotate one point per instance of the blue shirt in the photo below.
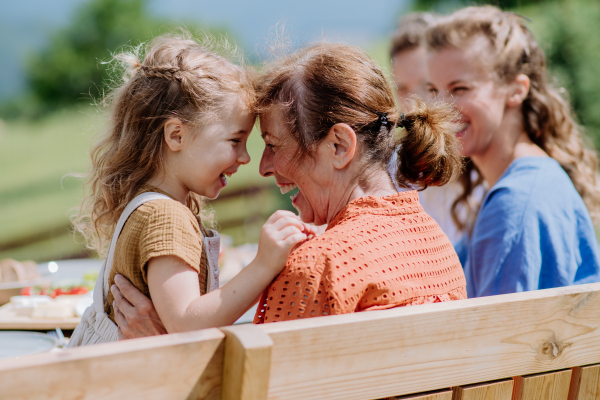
(533, 232)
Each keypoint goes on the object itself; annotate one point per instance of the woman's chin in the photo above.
(305, 215)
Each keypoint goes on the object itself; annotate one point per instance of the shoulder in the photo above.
(162, 222)
(535, 187)
(165, 213)
(166, 227)
(532, 177)
(313, 259)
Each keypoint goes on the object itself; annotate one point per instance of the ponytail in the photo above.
(429, 152)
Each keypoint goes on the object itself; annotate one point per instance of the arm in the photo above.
(504, 253)
(134, 313)
(174, 285)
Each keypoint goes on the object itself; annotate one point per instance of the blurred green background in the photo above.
(47, 119)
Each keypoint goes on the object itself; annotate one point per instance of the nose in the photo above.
(266, 167)
(444, 95)
(244, 157)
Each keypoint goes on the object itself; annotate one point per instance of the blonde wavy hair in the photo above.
(179, 76)
(547, 116)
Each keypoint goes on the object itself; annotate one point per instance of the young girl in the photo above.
(178, 129)
(534, 229)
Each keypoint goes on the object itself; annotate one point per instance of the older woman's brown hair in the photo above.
(326, 84)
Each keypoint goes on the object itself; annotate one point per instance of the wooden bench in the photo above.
(178, 366)
(469, 349)
(527, 346)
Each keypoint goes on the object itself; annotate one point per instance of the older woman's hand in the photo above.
(134, 313)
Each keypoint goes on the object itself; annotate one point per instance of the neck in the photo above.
(503, 150)
(169, 185)
(377, 183)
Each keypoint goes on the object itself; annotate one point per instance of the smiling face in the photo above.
(215, 150)
(312, 178)
(458, 76)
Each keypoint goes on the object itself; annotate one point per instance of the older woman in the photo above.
(328, 119)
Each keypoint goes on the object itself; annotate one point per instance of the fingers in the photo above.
(311, 230)
(294, 239)
(288, 231)
(120, 302)
(280, 214)
(121, 321)
(288, 220)
(131, 294)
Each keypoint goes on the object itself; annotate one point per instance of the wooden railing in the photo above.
(541, 345)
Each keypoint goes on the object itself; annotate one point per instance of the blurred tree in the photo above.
(569, 32)
(69, 69)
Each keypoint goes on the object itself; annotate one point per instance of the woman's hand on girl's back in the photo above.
(282, 231)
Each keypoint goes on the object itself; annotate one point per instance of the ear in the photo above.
(174, 131)
(341, 143)
(519, 89)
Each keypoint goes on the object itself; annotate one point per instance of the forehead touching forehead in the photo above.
(274, 125)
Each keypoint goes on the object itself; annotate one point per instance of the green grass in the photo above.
(34, 157)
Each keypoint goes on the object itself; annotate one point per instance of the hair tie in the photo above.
(383, 119)
(402, 121)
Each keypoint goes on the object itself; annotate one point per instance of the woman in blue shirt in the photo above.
(534, 229)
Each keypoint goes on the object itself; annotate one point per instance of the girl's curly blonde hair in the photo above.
(178, 76)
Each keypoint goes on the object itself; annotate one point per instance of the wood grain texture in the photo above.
(438, 395)
(162, 367)
(378, 354)
(585, 383)
(501, 390)
(551, 386)
(247, 363)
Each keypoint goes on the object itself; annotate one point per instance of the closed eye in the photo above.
(459, 90)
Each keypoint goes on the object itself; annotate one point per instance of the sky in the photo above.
(26, 25)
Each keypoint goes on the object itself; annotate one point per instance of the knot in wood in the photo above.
(550, 349)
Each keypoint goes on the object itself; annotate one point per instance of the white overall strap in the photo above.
(95, 326)
(212, 246)
(131, 207)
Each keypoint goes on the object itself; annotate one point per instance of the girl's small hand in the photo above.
(282, 231)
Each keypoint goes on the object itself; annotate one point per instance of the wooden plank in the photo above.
(437, 395)
(500, 390)
(552, 386)
(247, 363)
(585, 383)
(378, 354)
(162, 367)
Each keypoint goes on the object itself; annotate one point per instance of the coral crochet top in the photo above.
(377, 253)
